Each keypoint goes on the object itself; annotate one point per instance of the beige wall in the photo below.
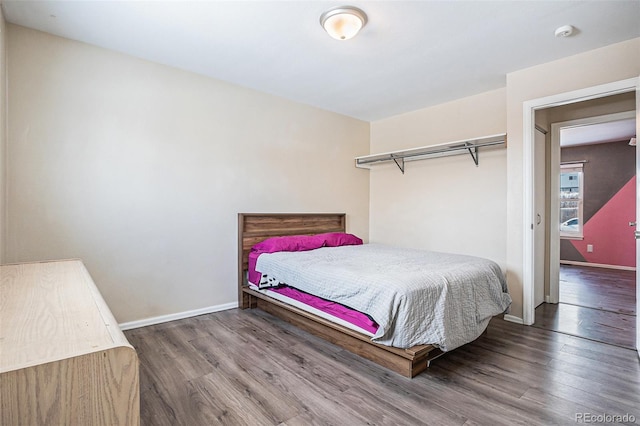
(3, 133)
(140, 170)
(608, 64)
(444, 204)
(591, 108)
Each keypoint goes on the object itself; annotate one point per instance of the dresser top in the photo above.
(51, 311)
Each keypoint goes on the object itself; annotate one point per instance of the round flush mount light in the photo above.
(564, 31)
(344, 22)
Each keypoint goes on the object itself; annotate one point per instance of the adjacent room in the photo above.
(595, 292)
(292, 212)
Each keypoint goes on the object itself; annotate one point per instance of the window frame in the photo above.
(573, 168)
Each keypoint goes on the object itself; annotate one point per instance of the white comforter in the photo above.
(416, 296)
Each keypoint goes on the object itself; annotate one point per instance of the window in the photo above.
(571, 200)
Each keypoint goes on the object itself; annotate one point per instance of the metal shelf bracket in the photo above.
(473, 151)
(399, 164)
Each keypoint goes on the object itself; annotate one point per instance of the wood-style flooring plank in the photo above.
(271, 370)
(595, 303)
(603, 326)
(251, 379)
(155, 410)
(250, 368)
(599, 288)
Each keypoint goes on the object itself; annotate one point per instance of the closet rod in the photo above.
(394, 156)
(399, 157)
(426, 152)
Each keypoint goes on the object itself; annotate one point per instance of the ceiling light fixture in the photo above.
(344, 22)
(564, 31)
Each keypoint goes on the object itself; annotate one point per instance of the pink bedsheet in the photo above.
(335, 309)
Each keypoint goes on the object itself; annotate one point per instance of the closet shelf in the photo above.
(469, 146)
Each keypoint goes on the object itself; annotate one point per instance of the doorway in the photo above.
(592, 251)
(572, 315)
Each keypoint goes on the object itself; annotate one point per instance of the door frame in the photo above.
(541, 242)
(637, 233)
(529, 109)
(554, 202)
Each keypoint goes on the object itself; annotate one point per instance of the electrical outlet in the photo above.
(589, 248)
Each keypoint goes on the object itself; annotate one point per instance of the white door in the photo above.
(637, 220)
(539, 219)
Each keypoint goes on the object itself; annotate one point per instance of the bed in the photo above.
(398, 353)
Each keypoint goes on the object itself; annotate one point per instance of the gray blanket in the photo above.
(416, 296)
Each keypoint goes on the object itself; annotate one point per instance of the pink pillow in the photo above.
(276, 244)
(254, 276)
(336, 239)
(290, 243)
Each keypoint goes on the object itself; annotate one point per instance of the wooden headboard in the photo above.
(256, 227)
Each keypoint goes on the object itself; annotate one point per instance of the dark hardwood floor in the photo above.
(595, 303)
(599, 288)
(249, 368)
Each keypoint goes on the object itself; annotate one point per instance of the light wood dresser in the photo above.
(63, 358)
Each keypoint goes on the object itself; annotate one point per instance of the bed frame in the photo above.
(256, 227)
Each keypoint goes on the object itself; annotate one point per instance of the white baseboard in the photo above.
(512, 318)
(172, 317)
(597, 265)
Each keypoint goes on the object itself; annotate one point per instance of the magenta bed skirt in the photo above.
(331, 308)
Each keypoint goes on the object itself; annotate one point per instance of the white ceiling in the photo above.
(411, 54)
(613, 131)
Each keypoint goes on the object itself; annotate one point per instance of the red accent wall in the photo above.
(609, 232)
